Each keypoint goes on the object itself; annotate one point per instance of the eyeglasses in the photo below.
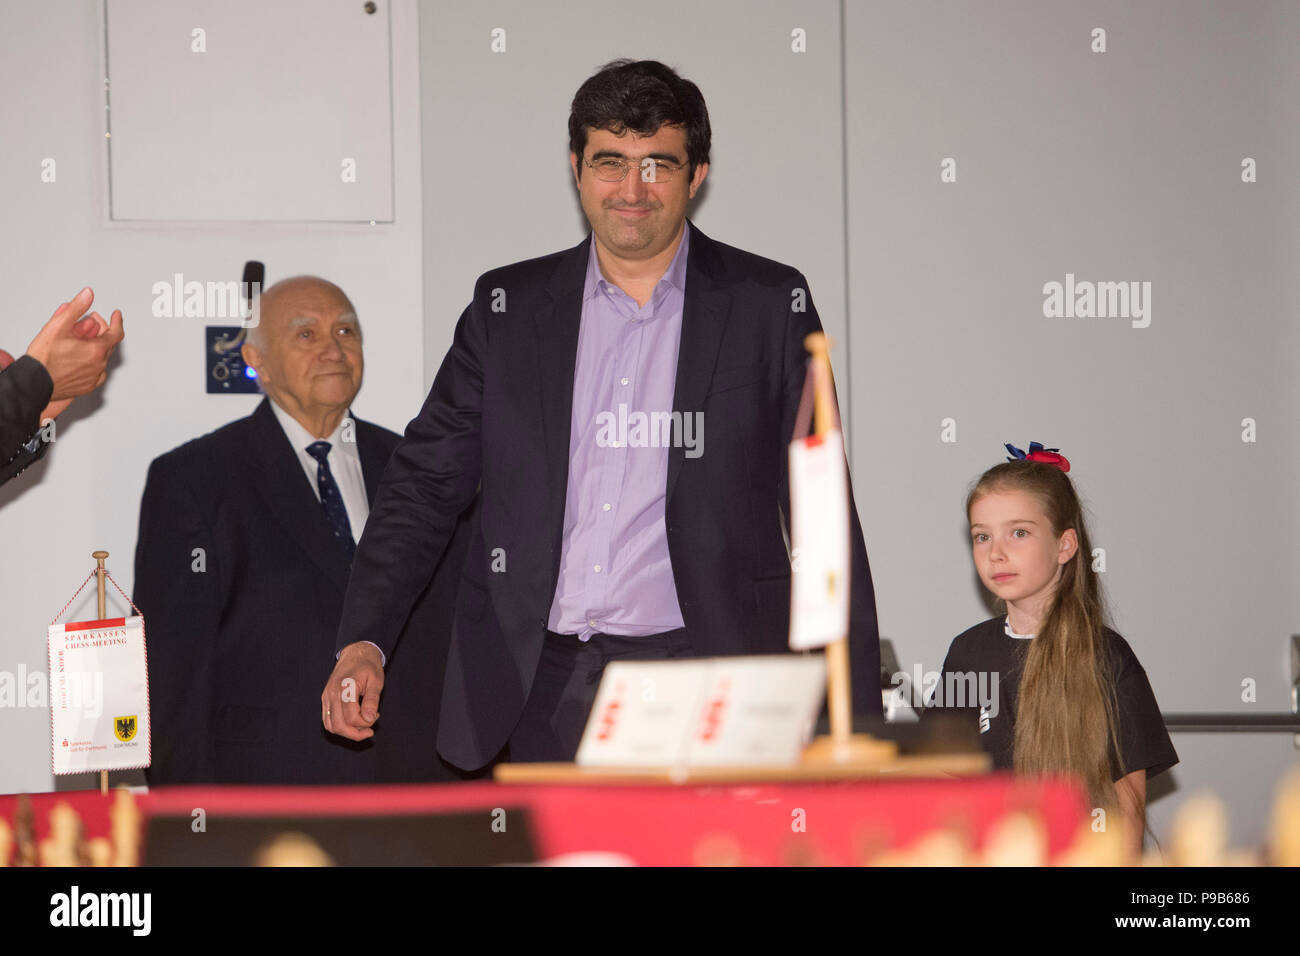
(608, 169)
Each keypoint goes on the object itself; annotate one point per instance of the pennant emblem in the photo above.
(124, 727)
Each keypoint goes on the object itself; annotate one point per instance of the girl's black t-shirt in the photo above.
(984, 663)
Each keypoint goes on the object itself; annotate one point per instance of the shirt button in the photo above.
(614, 444)
(605, 506)
(623, 381)
(591, 622)
(598, 569)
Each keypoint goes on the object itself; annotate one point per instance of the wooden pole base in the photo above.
(854, 750)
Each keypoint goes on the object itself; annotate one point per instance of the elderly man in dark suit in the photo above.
(604, 533)
(246, 541)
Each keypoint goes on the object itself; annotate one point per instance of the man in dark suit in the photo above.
(68, 358)
(614, 524)
(246, 538)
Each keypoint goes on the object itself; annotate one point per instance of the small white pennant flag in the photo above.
(819, 539)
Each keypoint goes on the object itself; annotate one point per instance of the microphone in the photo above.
(251, 287)
(254, 277)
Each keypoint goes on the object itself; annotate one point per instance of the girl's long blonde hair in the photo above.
(1066, 720)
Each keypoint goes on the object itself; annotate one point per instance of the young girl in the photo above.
(1072, 697)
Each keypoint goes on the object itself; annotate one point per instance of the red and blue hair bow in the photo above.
(1048, 456)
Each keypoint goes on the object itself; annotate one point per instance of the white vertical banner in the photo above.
(819, 539)
(99, 696)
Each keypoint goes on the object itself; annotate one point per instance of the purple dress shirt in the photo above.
(616, 576)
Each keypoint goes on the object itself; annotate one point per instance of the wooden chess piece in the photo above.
(943, 847)
(1200, 832)
(1018, 839)
(292, 849)
(124, 817)
(1284, 829)
(99, 852)
(1104, 847)
(60, 847)
(25, 831)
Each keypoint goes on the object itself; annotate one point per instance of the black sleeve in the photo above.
(1144, 741)
(181, 609)
(431, 478)
(25, 389)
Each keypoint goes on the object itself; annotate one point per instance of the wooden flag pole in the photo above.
(843, 745)
(100, 571)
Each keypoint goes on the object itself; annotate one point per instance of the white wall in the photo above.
(56, 238)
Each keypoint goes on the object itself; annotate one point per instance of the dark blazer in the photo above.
(240, 635)
(499, 413)
(25, 389)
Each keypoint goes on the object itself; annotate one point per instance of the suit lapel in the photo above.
(557, 323)
(704, 317)
(283, 486)
(374, 457)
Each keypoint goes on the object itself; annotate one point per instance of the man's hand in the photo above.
(74, 347)
(349, 705)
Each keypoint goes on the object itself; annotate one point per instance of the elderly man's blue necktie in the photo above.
(331, 499)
